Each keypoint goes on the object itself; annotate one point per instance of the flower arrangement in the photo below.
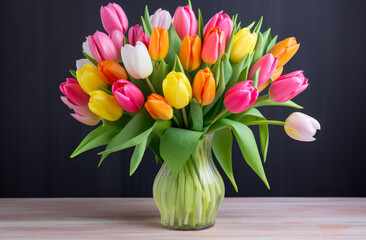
(182, 89)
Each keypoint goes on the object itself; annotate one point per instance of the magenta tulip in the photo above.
(161, 18)
(288, 86)
(268, 64)
(185, 22)
(74, 93)
(128, 96)
(82, 113)
(213, 45)
(113, 17)
(240, 96)
(223, 22)
(102, 47)
(136, 34)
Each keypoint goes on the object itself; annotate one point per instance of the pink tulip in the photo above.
(268, 65)
(185, 22)
(161, 18)
(74, 93)
(136, 34)
(213, 45)
(82, 113)
(288, 86)
(113, 17)
(102, 47)
(240, 96)
(117, 39)
(128, 96)
(223, 22)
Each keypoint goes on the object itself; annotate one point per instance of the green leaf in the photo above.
(160, 126)
(177, 145)
(154, 145)
(200, 25)
(73, 73)
(228, 70)
(259, 47)
(137, 155)
(265, 101)
(190, 4)
(231, 39)
(258, 26)
(144, 26)
(243, 75)
(255, 77)
(141, 85)
(216, 72)
(196, 118)
(174, 45)
(157, 80)
(266, 39)
(222, 145)
(271, 44)
(178, 65)
(250, 25)
(91, 59)
(236, 70)
(106, 90)
(147, 19)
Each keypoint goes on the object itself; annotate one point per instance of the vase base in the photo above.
(189, 227)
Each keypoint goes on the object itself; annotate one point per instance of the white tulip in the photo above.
(80, 63)
(161, 18)
(86, 47)
(301, 127)
(137, 60)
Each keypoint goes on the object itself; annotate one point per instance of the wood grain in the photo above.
(138, 218)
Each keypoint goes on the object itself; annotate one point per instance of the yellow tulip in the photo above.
(284, 50)
(105, 105)
(159, 44)
(244, 42)
(190, 53)
(177, 89)
(89, 78)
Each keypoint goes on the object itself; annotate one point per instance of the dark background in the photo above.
(40, 41)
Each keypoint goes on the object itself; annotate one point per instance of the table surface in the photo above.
(138, 218)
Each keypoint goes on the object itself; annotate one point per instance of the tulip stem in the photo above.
(185, 119)
(259, 122)
(149, 85)
(175, 119)
(219, 115)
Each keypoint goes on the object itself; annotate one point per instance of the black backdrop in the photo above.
(40, 40)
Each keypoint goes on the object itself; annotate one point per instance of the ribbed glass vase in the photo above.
(190, 199)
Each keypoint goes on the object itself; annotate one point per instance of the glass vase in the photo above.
(190, 199)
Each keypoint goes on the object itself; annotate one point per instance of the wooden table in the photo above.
(138, 218)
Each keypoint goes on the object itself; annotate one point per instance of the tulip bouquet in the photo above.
(182, 88)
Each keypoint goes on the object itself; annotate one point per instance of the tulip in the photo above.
(240, 96)
(137, 60)
(204, 87)
(117, 39)
(82, 113)
(158, 107)
(284, 50)
(89, 79)
(135, 34)
(113, 17)
(111, 71)
(86, 48)
(243, 43)
(301, 127)
(277, 73)
(190, 53)
(102, 47)
(223, 22)
(159, 44)
(184, 21)
(80, 63)
(177, 89)
(288, 86)
(74, 93)
(213, 45)
(161, 19)
(105, 105)
(128, 96)
(268, 64)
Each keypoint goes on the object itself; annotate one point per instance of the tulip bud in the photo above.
(284, 50)
(204, 87)
(105, 105)
(74, 93)
(102, 47)
(240, 96)
(159, 44)
(213, 45)
(161, 19)
(288, 86)
(184, 21)
(89, 79)
(82, 113)
(135, 34)
(137, 60)
(223, 22)
(243, 43)
(177, 89)
(301, 127)
(128, 96)
(111, 71)
(190, 53)
(118, 40)
(113, 17)
(268, 64)
(158, 107)
(80, 63)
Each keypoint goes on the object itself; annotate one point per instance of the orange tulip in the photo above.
(284, 50)
(204, 87)
(274, 76)
(111, 71)
(190, 53)
(158, 107)
(159, 44)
